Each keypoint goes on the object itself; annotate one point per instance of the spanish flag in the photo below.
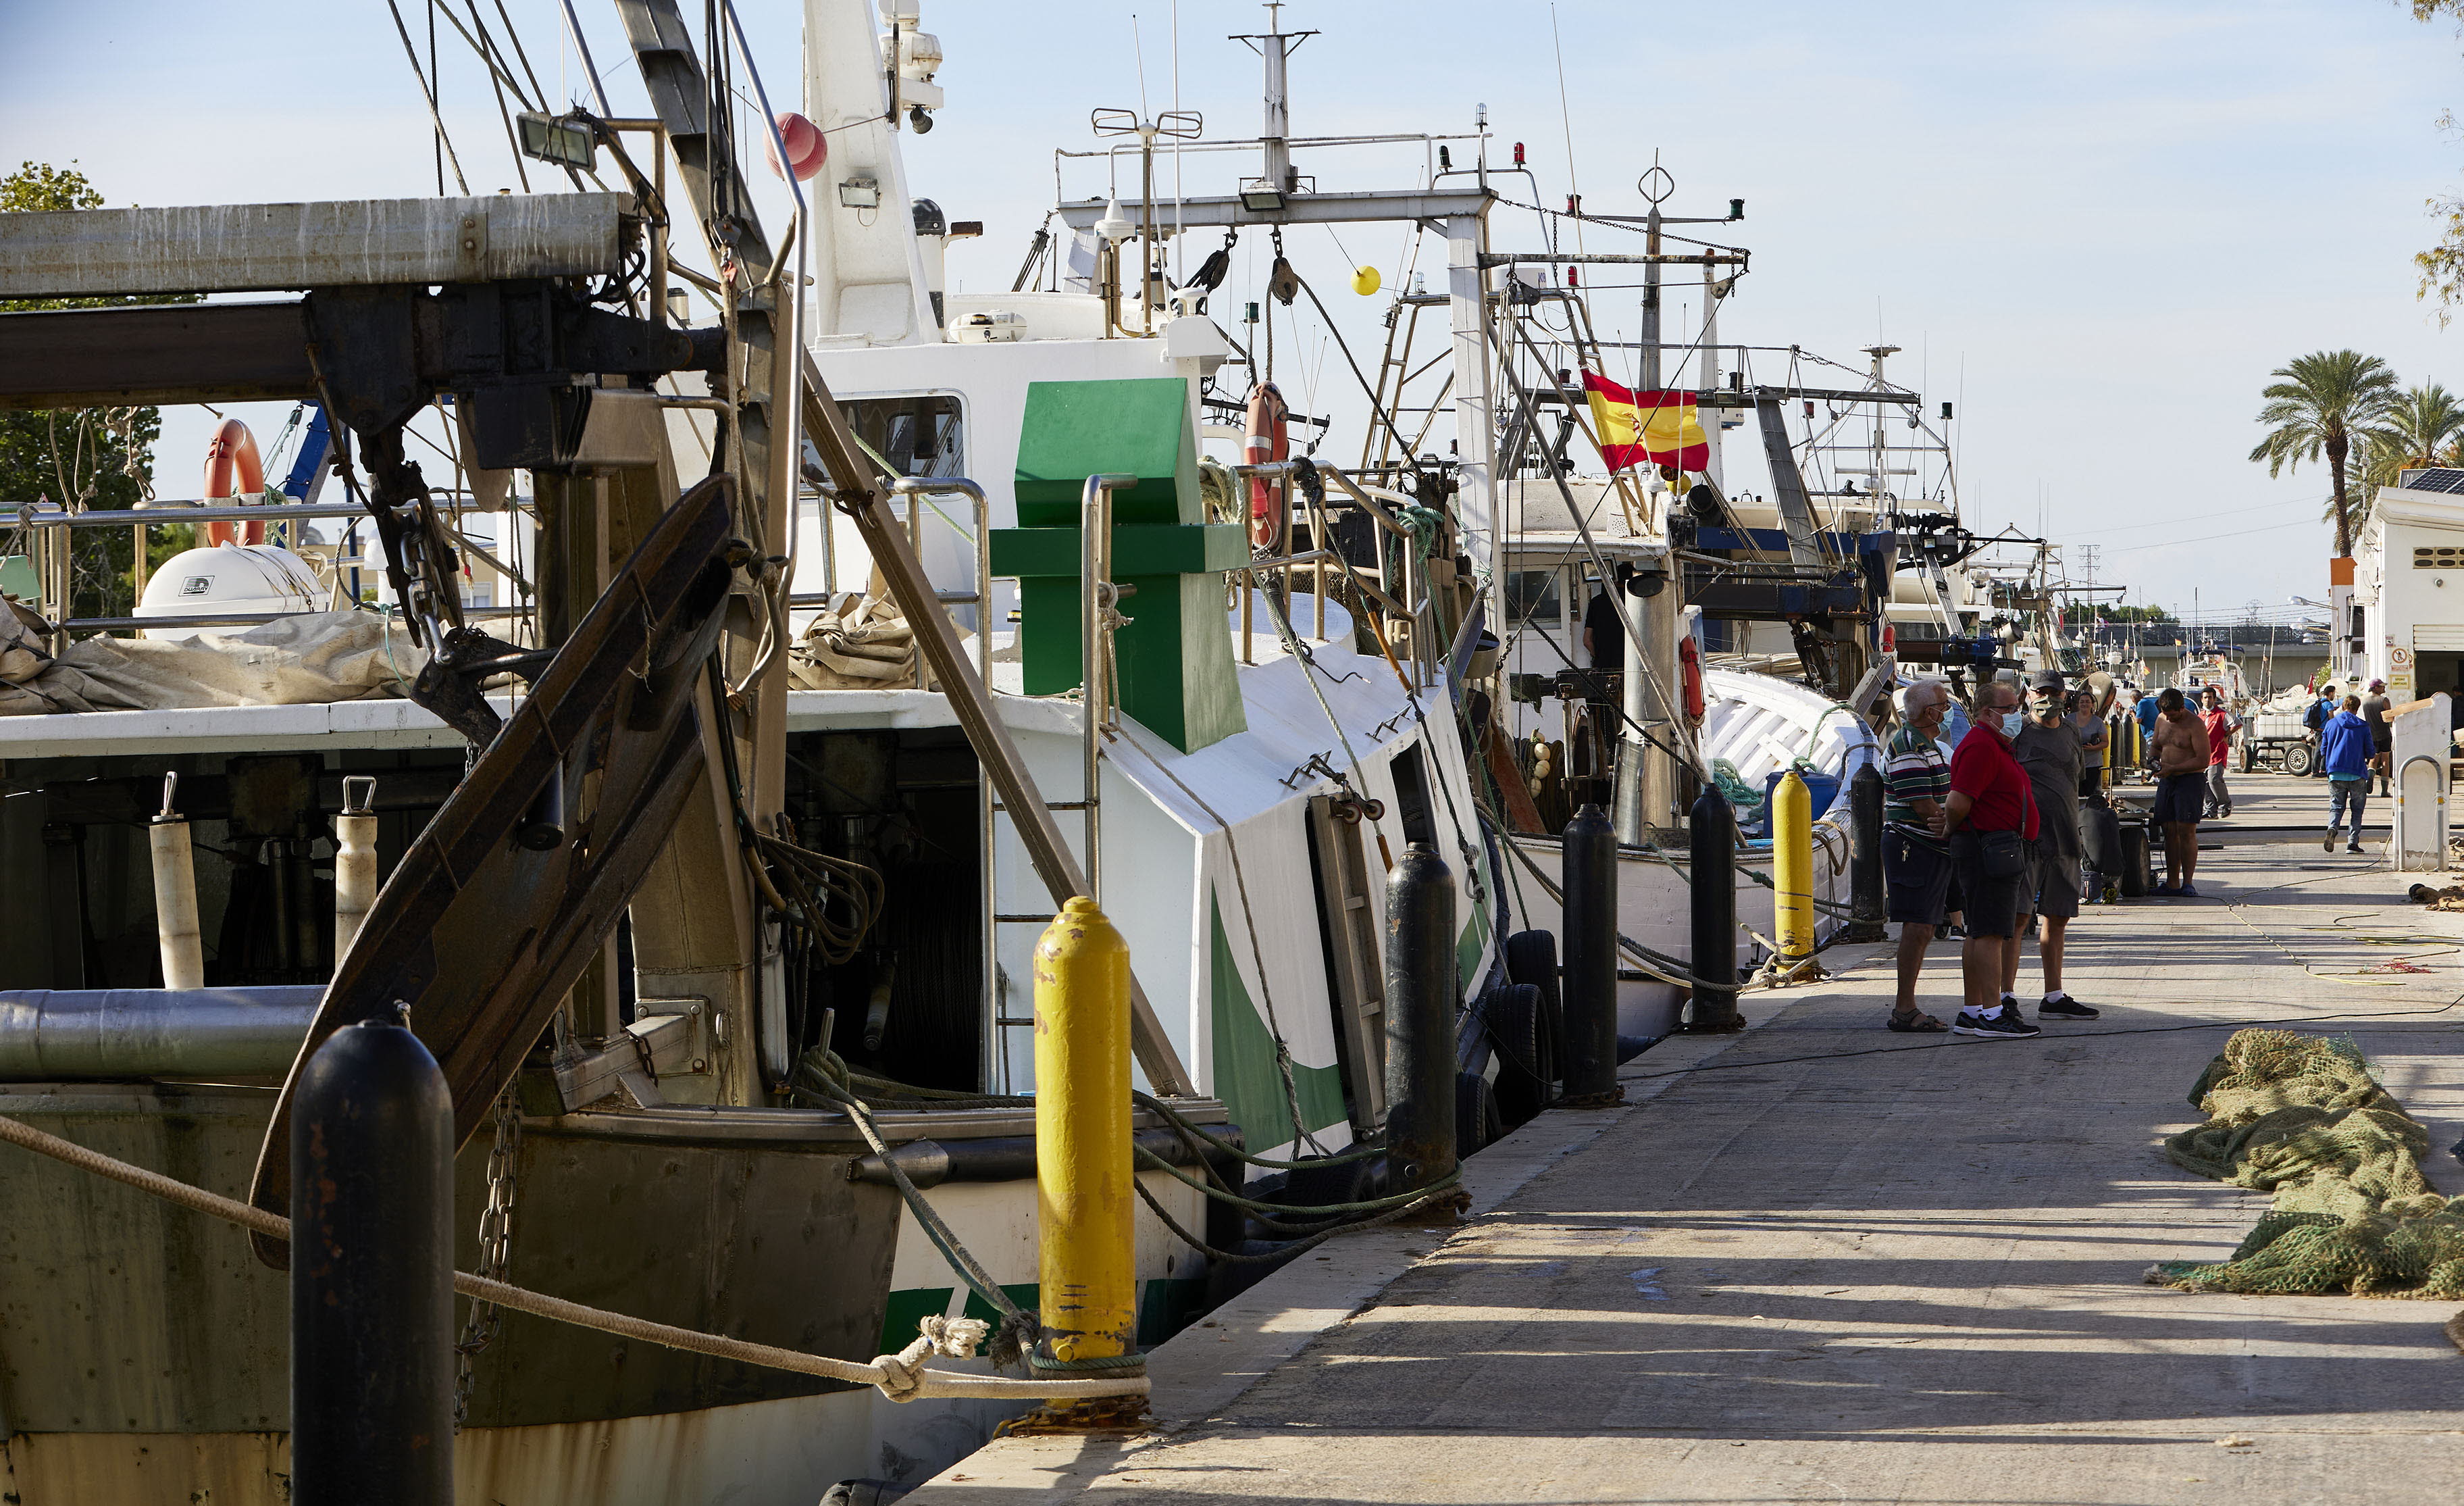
(1646, 428)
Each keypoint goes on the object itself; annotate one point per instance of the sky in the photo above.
(2097, 227)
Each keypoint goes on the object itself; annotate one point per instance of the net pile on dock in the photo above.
(2301, 1116)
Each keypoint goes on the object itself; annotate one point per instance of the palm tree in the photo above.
(2315, 407)
(2424, 428)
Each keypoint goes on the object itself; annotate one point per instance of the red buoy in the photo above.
(807, 148)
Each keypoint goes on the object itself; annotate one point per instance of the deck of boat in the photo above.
(1910, 1276)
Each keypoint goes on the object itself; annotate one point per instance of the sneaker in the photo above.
(2162, 892)
(2062, 1006)
(2353, 847)
(2186, 892)
(2329, 845)
(2003, 1023)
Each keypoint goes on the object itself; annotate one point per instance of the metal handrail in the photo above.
(245, 619)
(30, 515)
(1098, 596)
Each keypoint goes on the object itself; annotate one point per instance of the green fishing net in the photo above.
(2301, 1116)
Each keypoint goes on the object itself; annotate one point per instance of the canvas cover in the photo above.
(310, 659)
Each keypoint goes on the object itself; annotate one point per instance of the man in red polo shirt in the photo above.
(1993, 817)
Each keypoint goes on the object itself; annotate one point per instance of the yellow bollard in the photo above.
(1792, 868)
(1083, 1201)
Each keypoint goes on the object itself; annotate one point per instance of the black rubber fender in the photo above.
(1525, 1049)
(1477, 1123)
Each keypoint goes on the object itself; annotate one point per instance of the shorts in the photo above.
(2053, 882)
(2180, 797)
(1994, 904)
(1916, 876)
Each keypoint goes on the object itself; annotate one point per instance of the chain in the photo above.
(495, 1246)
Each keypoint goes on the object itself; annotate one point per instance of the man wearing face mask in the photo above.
(1916, 864)
(1993, 824)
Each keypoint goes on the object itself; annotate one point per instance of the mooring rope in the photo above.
(901, 1377)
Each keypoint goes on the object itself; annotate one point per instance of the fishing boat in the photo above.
(919, 730)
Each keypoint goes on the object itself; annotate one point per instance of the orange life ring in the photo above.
(1689, 659)
(1266, 443)
(234, 471)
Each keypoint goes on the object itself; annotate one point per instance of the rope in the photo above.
(1155, 1162)
(900, 1377)
(1445, 1191)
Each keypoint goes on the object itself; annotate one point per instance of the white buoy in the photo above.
(355, 862)
(175, 895)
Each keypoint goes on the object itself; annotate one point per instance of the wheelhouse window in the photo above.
(920, 436)
(1532, 594)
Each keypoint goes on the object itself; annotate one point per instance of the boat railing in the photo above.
(1405, 599)
(44, 522)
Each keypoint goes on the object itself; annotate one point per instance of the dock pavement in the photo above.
(1820, 1262)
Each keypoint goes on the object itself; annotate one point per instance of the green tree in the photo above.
(2423, 429)
(2315, 407)
(100, 457)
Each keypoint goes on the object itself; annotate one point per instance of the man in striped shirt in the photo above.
(1916, 861)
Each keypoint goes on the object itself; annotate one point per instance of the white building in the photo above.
(2403, 618)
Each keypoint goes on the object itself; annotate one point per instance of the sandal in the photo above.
(1913, 1023)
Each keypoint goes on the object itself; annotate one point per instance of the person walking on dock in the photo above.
(2221, 724)
(1993, 823)
(2181, 744)
(2347, 748)
(2050, 747)
(2374, 713)
(1916, 862)
(2323, 710)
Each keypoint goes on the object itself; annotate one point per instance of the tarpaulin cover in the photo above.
(309, 659)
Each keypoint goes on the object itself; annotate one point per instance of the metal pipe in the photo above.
(175, 894)
(29, 516)
(1588, 942)
(1097, 597)
(246, 619)
(1865, 899)
(74, 1035)
(1420, 998)
(355, 861)
(1086, 1258)
(372, 1272)
(1711, 828)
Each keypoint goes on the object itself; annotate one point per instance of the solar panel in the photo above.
(2439, 479)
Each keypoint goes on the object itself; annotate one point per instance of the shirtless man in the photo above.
(2182, 747)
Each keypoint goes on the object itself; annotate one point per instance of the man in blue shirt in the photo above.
(2347, 750)
(2146, 713)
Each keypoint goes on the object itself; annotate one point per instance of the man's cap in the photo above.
(2045, 679)
(2378, 684)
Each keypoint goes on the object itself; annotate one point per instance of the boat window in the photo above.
(920, 436)
(1532, 594)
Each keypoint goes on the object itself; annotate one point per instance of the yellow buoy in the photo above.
(1365, 281)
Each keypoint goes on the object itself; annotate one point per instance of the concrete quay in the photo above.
(1819, 1262)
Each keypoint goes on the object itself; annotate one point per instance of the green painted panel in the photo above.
(1137, 549)
(905, 1310)
(17, 577)
(1140, 427)
(1468, 947)
(1245, 1078)
(1025, 1294)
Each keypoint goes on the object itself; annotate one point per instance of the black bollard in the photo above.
(1713, 829)
(372, 1274)
(1865, 907)
(1420, 998)
(1590, 933)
